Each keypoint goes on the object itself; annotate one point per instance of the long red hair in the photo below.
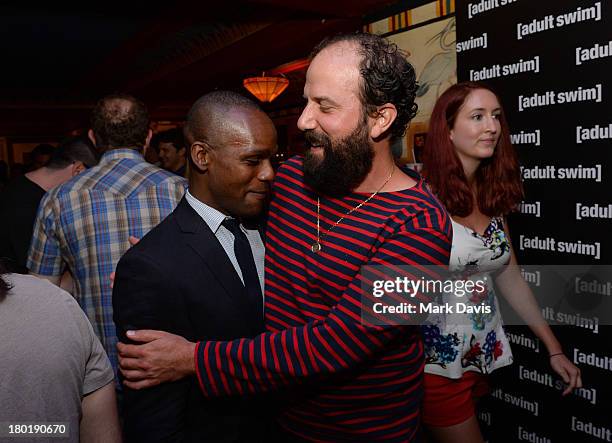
(498, 179)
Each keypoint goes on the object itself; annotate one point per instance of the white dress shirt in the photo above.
(213, 219)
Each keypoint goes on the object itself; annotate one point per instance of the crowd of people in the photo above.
(235, 310)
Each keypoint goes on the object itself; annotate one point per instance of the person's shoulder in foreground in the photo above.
(54, 368)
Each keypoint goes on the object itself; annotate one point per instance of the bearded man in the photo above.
(346, 205)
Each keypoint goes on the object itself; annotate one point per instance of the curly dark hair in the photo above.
(386, 77)
(4, 285)
(120, 121)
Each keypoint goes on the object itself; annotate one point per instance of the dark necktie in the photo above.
(244, 256)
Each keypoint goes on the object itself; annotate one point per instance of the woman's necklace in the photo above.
(316, 246)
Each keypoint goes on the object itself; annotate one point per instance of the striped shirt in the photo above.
(84, 225)
(356, 381)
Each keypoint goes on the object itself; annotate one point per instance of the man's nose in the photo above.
(306, 120)
(266, 172)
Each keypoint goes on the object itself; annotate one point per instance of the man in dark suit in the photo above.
(199, 273)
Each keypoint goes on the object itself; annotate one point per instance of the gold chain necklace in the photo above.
(316, 246)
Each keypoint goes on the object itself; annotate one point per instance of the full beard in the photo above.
(345, 163)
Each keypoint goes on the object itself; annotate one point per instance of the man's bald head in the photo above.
(214, 116)
(120, 121)
(231, 144)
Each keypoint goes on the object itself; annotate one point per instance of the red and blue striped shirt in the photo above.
(355, 381)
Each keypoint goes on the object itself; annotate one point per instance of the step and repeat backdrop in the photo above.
(551, 63)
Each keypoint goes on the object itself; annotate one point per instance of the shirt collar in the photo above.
(119, 154)
(210, 215)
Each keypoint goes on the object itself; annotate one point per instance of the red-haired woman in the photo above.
(471, 165)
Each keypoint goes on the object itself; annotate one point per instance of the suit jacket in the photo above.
(179, 279)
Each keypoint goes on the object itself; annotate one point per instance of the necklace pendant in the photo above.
(316, 247)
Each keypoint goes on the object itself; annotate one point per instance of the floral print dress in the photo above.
(460, 342)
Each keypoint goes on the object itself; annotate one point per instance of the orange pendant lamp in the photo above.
(265, 88)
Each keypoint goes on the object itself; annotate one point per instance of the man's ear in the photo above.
(384, 118)
(147, 142)
(76, 168)
(201, 156)
(92, 137)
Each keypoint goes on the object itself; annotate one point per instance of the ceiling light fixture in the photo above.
(265, 88)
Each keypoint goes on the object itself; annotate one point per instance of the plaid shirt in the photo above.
(84, 224)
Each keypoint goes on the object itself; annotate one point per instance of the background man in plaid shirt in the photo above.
(84, 224)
